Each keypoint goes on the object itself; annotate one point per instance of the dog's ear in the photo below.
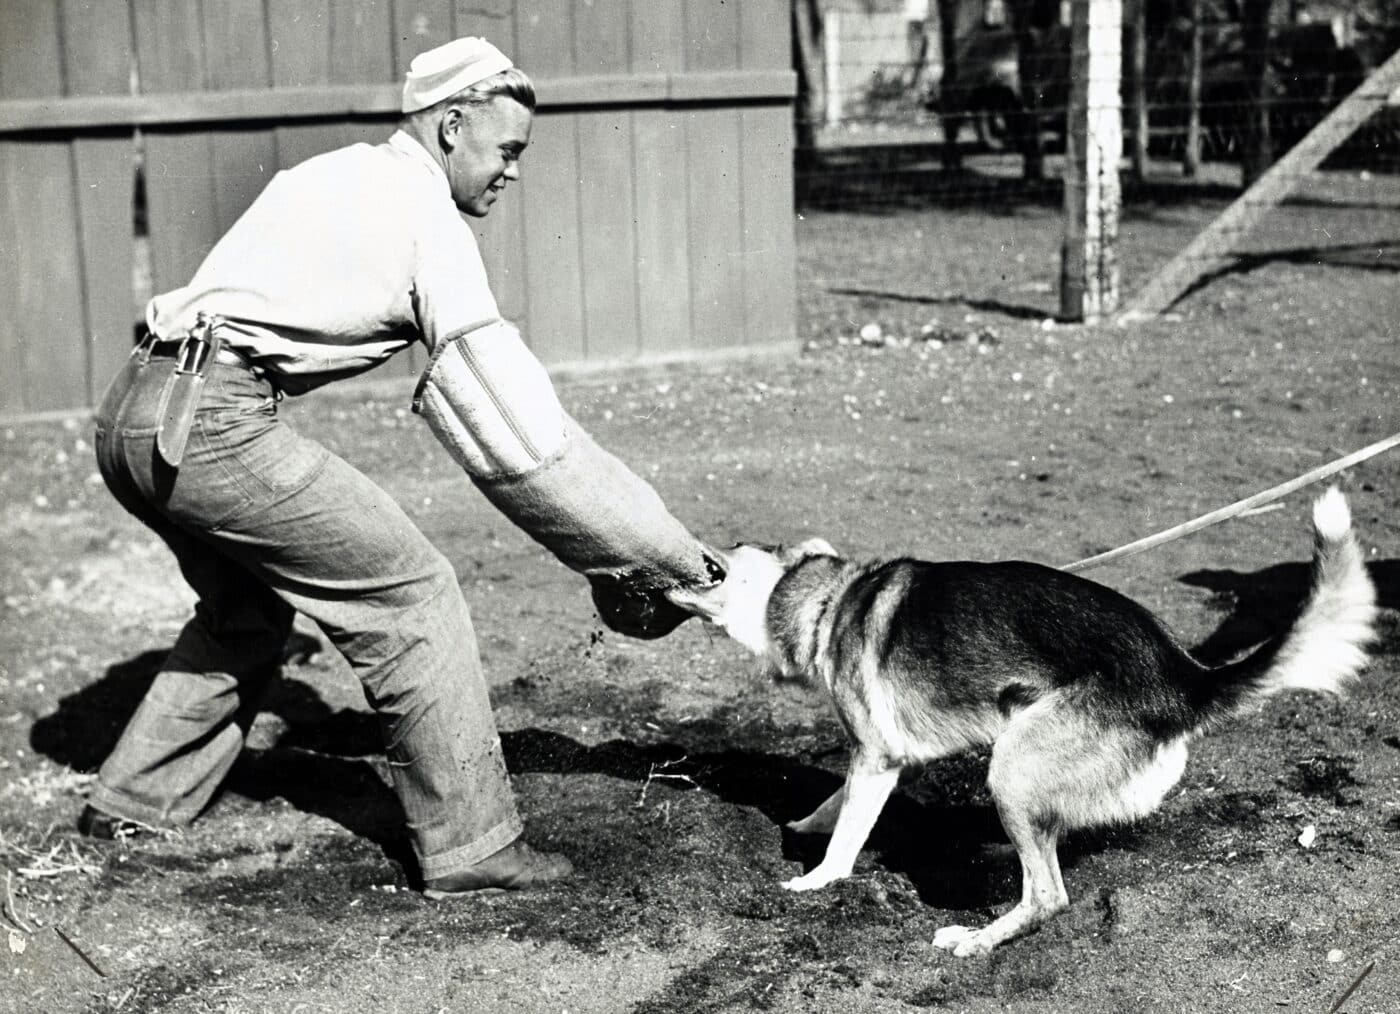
(793, 555)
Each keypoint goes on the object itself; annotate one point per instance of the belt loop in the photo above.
(141, 352)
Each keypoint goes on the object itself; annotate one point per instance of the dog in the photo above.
(1087, 700)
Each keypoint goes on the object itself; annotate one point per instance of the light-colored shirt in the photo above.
(342, 261)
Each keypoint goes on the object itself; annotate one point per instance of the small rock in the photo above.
(1308, 836)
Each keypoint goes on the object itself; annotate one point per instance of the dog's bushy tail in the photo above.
(1326, 646)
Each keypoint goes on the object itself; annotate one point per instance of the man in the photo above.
(340, 263)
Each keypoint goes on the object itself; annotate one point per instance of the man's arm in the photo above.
(492, 405)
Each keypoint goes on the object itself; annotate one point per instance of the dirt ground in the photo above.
(971, 428)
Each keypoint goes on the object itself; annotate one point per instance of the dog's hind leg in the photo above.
(868, 785)
(1042, 891)
(823, 819)
(1052, 770)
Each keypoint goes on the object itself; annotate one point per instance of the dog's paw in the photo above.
(963, 941)
(809, 882)
(811, 825)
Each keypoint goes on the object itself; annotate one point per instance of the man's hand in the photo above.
(644, 613)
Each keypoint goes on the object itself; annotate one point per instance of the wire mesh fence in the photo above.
(965, 103)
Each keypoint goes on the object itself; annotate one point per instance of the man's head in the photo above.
(472, 110)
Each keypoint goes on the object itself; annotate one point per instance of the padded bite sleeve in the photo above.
(490, 402)
(493, 407)
(599, 517)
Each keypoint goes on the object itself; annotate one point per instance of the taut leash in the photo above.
(1239, 507)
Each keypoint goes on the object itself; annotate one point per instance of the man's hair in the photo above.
(513, 83)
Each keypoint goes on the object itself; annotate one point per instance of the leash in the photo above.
(1235, 509)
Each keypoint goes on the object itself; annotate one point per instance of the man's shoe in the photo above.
(93, 823)
(516, 867)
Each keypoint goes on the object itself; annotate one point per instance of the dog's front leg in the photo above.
(867, 787)
(823, 818)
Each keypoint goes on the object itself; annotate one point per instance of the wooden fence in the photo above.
(654, 221)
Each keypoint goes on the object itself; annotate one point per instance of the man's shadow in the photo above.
(317, 763)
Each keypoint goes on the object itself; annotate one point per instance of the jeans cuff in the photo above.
(443, 864)
(124, 807)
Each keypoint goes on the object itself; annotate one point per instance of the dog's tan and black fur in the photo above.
(1088, 701)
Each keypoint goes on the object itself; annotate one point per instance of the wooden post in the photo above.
(806, 32)
(951, 97)
(1094, 147)
(1191, 155)
(1210, 250)
(1031, 63)
(831, 49)
(1138, 84)
(1257, 150)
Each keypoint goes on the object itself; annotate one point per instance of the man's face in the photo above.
(486, 143)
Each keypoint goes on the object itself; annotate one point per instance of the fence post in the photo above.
(1191, 156)
(1138, 83)
(831, 46)
(1093, 149)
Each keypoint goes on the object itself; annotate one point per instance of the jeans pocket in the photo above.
(263, 454)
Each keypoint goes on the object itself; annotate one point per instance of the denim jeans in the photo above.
(265, 523)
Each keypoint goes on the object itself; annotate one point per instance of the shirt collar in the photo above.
(404, 144)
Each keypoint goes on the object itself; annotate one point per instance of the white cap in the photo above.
(443, 72)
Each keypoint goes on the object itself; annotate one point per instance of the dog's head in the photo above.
(738, 605)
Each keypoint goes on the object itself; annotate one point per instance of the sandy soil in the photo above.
(970, 428)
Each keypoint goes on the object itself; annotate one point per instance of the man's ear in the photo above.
(450, 127)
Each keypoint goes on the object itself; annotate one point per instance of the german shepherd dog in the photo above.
(1087, 700)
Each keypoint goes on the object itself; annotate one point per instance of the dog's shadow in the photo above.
(951, 852)
(1264, 603)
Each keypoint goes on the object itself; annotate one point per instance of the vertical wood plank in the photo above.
(766, 181)
(97, 53)
(658, 36)
(765, 34)
(553, 271)
(601, 37)
(553, 268)
(420, 25)
(661, 181)
(663, 253)
(769, 258)
(607, 235)
(493, 20)
(607, 219)
(300, 32)
(712, 35)
(362, 52)
(42, 330)
(713, 148)
(244, 159)
(713, 203)
(545, 39)
(181, 215)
